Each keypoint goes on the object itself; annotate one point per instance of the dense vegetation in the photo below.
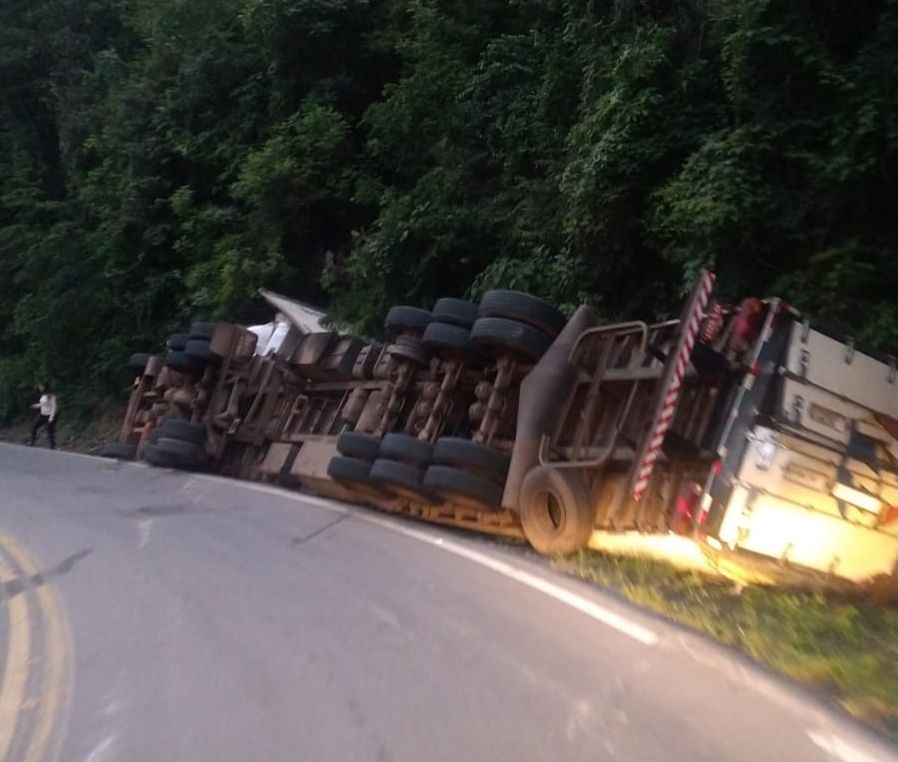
(164, 158)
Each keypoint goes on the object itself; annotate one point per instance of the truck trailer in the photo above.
(736, 439)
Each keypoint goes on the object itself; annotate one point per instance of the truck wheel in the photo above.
(182, 362)
(201, 330)
(199, 350)
(138, 362)
(456, 312)
(362, 446)
(117, 450)
(177, 341)
(400, 478)
(349, 471)
(497, 336)
(556, 512)
(406, 449)
(403, 319)
(464, 488)
(175, 428)
(525, 308)
(447, 341)
(472, 456)
(408, 352)
(183, 454)
(155, 457)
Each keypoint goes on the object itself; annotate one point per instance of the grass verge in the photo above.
(845, 649)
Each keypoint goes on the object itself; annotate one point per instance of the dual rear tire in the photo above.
(176, 443)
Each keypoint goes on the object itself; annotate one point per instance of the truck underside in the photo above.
(733, 440)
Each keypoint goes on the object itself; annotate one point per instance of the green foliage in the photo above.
(164, 159)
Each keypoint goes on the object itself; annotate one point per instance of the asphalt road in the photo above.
(154, 615)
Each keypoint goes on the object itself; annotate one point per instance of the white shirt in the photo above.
(48, 405)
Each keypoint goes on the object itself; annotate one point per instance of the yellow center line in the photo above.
(56, 687)
(15, 673)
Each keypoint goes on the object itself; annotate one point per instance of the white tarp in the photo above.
(263, 336)
(304, 317)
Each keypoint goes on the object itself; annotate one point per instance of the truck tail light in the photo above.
(686, 506)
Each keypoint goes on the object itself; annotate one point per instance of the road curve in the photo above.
(184, 617)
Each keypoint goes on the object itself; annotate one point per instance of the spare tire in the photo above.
(177, 341)
(456, 312)
(117, 450)
(463, 488)
(177, 428)
(446, 340)
(401, 319)
(497, 336)
(357, 445)
(201, 330)
(406, 449)
(472, 456)
(556, 511)
(525, 308)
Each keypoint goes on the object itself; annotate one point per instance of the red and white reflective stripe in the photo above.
(713, 323)
(675, 382)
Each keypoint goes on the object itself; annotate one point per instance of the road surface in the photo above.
(151, 615)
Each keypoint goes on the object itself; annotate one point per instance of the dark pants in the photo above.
(39, 422)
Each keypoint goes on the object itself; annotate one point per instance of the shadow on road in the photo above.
(18, 585)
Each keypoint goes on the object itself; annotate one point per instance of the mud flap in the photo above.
(542, 394)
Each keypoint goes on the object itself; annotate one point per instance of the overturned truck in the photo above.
(736, 438)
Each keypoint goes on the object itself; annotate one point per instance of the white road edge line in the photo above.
(553, 590)
(840, 749)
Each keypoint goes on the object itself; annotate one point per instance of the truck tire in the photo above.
(176, 428)
(471, 456)
(153, 456)
(138, 362)
(200, 351)
(201, 330)
(463, 487)
(456, 312)
(525, 308)
(497, 336)
(447, 341)
(400, 478)
(403, 319)
(182, 362)
(177, 342)
(362, 446)
(408, 352)
(556, 512)
(117, 450)
(349, 471)
(406, 449)
(183, 454)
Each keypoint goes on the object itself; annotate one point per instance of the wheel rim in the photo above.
(551, 512)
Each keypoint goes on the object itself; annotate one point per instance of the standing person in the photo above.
(46, 415)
